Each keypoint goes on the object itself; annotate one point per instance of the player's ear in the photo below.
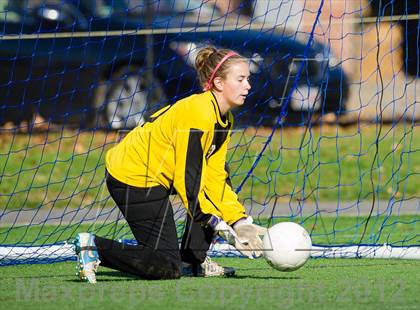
(218, 83)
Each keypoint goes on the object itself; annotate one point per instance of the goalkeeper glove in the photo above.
(248, 243)
(250, 234)
(222, 229)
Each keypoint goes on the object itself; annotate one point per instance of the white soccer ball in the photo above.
(287, 246)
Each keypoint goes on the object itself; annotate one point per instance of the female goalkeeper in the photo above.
(181, 150)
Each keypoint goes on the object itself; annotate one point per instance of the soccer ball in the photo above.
(287, 246)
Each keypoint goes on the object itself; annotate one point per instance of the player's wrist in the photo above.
(214, 221)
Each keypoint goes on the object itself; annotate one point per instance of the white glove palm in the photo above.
(244, 236)
(249, 234)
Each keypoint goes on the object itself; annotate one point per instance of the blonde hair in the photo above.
(207, 60)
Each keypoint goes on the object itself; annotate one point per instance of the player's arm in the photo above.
(218, 188)
(192, 143)
(219, 192)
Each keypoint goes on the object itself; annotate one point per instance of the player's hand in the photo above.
(222, 229)
(226, 232)
(248, 243)
(249, 234)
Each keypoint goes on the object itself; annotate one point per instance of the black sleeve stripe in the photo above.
(193, 173)
(214, 205)
(228, 180)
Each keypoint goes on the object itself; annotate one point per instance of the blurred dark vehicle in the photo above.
(68, 71)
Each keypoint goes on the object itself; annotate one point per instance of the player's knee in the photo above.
(172, 270)
(177, 273)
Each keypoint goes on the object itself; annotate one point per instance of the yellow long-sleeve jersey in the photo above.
(183, 147)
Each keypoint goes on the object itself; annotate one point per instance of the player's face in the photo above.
(236, 84)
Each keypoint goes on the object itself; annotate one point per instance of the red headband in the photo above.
(208, 85)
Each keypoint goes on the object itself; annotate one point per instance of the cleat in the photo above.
(208, 268)
(87, 257)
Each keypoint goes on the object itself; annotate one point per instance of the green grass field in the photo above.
(320, 284)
